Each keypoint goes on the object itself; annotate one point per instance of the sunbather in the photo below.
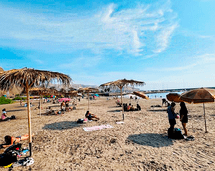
(12, 140)
(91, 116)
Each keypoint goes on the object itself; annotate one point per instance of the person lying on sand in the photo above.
(50, 111)
(12, 140)
(91, 116)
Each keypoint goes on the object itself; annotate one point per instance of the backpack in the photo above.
(80, 121)
(10, 155)
(176, 134)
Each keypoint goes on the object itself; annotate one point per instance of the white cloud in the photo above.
(128, 30)
(81, 63)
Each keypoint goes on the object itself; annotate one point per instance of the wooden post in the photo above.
(29, 118)
(88, 101)
(123, 117)
(205, 118)
(40, 104)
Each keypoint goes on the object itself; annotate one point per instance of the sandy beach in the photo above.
(140, 143)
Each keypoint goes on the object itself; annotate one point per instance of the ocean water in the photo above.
(160, 95)
(152, 95)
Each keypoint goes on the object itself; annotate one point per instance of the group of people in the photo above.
(64, 106)
(131, 107)
(183, 116)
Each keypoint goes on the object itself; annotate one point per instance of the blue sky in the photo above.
(166, 44)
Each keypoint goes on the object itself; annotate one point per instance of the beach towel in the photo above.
(95, 128)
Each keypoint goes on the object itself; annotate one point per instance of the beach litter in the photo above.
(121, 122)
(95, 128)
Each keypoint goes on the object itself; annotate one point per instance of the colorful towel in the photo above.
(95, 128)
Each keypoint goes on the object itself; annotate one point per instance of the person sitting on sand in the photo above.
(4, 116)
(129, 107)
(9, 140)
(138, 107)
(91, 116)
(67, 106)
(132, 108)
(62, 105)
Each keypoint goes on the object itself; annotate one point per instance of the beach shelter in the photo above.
(174, 97)
(41, 91)
(88, 90)
(120, 84)
(28, 78)
(200, 95)
(141, 94)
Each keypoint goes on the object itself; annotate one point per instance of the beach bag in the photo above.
(178, 134)
(80, 121)
(10, 155)
(13, 117)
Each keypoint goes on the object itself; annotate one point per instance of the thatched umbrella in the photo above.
(120, 84)
(72, 93)
(88, 90)
(28, 78)
(41, 91)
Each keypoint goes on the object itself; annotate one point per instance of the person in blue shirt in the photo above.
(171, 116)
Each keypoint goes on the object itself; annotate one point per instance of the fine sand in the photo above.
(141, 143)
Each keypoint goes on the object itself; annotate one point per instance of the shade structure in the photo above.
(141, 94)
(201, 95)
(28, 78)
(120, 84)
(88, 90)
(174, 97)
(41, 91)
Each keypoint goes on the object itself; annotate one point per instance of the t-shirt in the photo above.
(3, 115)
(171, 115)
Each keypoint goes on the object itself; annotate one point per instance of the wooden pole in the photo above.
(123, 117)
(29, 119)
(40, 104)
(88, 102)
(205, 118)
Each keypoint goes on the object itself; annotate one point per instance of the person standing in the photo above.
(183, 116)
(171, 116)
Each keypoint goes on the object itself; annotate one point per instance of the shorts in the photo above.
(172, 122)
(184, 120)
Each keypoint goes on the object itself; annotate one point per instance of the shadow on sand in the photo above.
(114, 111)
(153, 140)
(157, 110)
(61, 125)
(17, 110)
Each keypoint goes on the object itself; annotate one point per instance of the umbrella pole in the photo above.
(205, 118)
(40, 104)
(123, 117)
(88, 101)
(29, 120)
